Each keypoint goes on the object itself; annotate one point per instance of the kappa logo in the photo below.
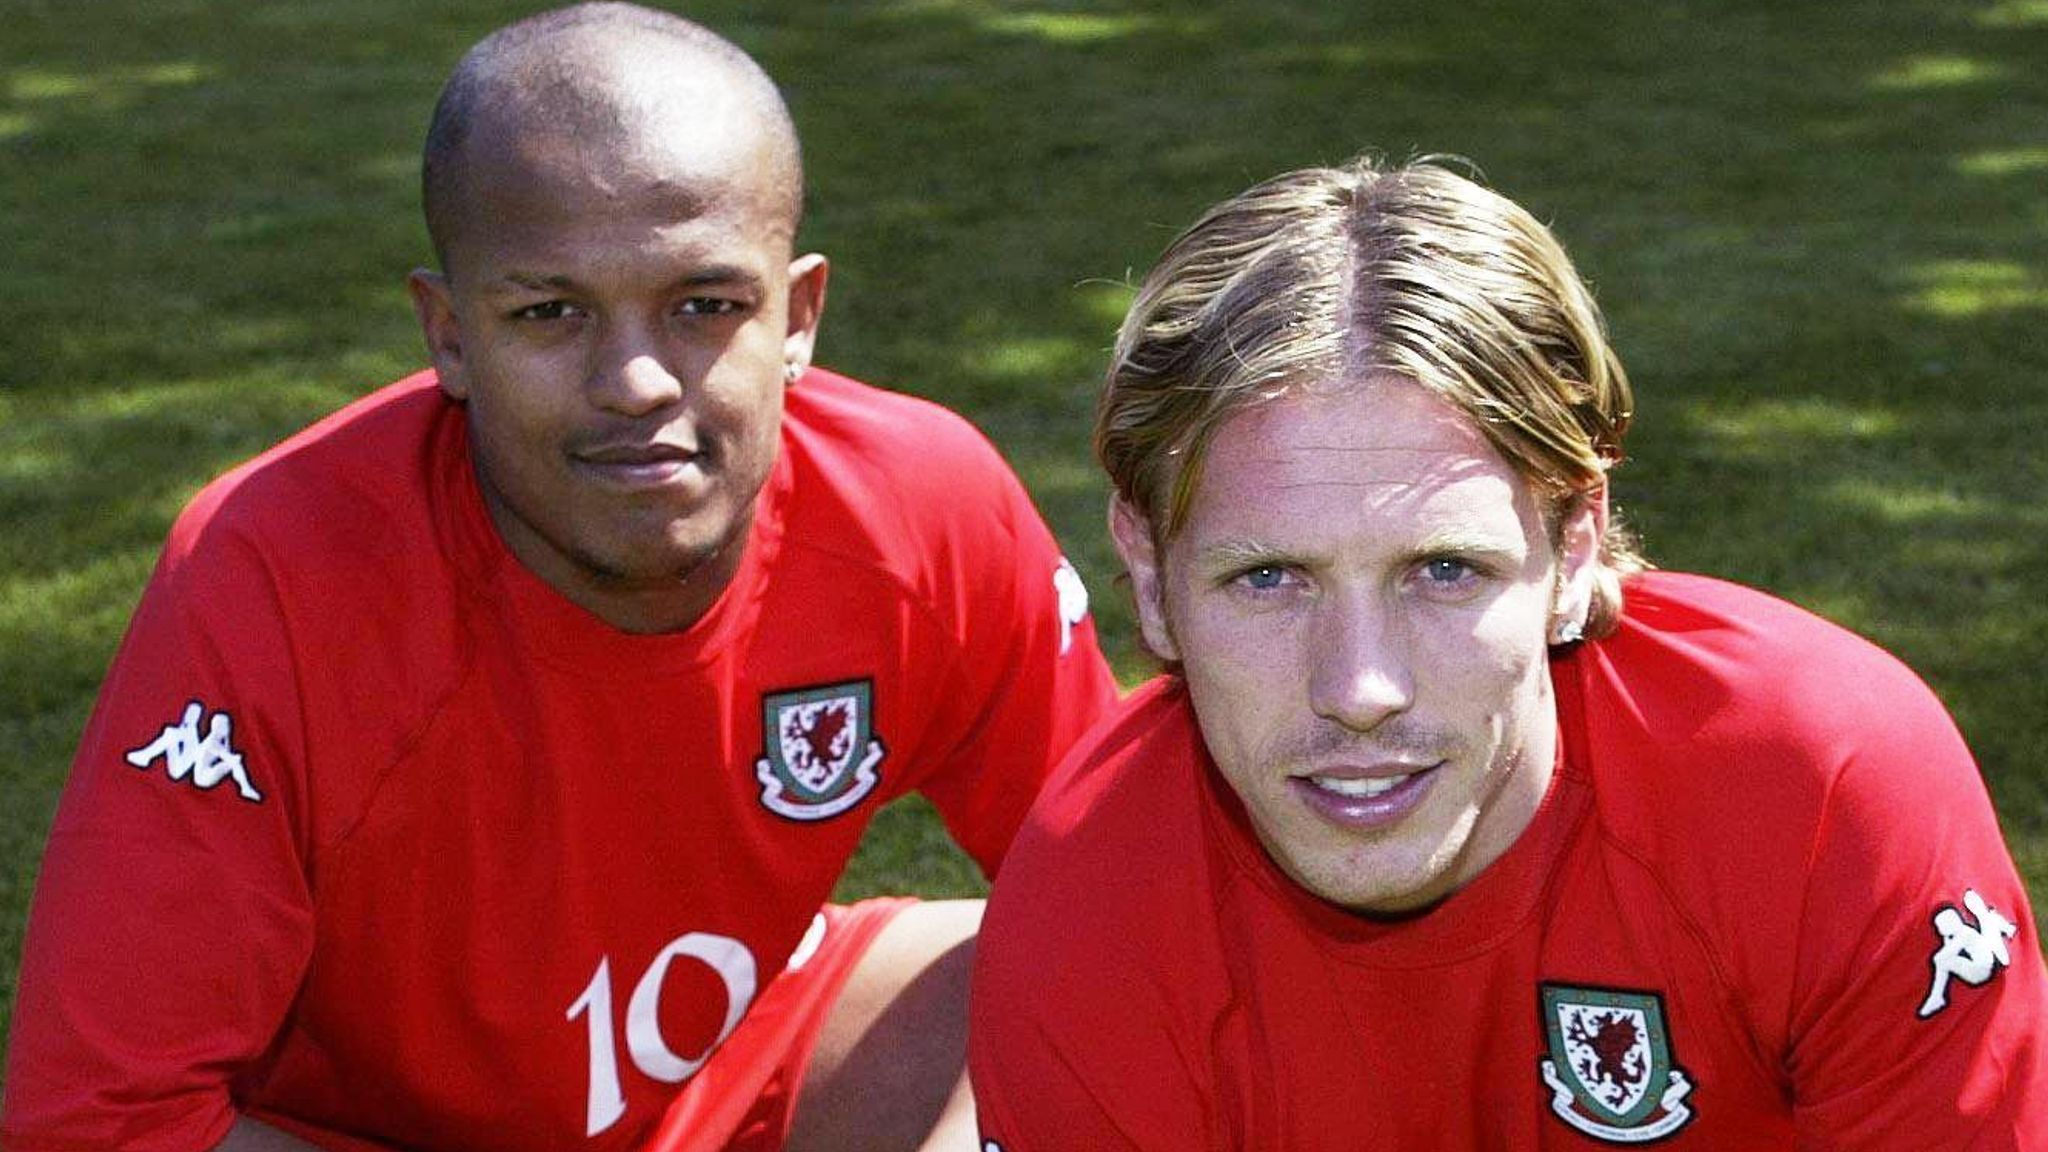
(1610, 1069)
(1073, 601)
(1972, 953)
(819, 755)
(205, 761)
(813, 939)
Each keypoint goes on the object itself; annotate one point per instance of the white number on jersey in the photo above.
(645, 1044)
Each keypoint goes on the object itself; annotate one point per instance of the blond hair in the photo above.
(1332, 274)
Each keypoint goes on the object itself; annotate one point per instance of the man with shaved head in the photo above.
(479, 761)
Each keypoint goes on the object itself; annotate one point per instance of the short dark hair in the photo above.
(528, 55)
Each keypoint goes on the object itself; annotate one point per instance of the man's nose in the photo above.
(630, 374)
(1359, 668)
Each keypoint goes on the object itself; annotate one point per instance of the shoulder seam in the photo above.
(466, 668)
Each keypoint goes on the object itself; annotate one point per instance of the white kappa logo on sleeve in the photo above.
(205, 761)
(1073, 601)
(1970, 953)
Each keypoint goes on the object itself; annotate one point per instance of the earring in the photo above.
(790, 371)
(1570, 632)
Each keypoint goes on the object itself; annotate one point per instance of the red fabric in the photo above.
(744, 1100)
(1756, 819)
(482, 811)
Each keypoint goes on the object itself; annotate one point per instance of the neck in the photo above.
(638, 602)
(659, 604)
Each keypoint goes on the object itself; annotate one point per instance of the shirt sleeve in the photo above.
(1032, 676)
(1072, 1043)
(172, 920)
(1920, 1005)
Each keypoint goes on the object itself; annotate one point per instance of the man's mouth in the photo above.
(642, 465)
(1365, 797)
(1360, 785)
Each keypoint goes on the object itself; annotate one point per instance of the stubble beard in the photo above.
(720, 555)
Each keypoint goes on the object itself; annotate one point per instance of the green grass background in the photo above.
(1820, 232)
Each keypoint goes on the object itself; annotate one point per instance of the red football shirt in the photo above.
(374, 833)
(1765, 905)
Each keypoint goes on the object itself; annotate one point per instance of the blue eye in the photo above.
(1264, 577)
(1445, 570)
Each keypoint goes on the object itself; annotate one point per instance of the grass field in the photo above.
(1820, 233)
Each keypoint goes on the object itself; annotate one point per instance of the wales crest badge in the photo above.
(819, 753)
(1610, 1068)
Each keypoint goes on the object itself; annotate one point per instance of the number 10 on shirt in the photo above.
(645, 1044)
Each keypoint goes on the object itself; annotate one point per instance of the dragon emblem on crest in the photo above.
(819, 751)
(1609, 1065)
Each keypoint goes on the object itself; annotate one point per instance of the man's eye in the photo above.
(1450, 579)
(711, 306)
(1445, 570)
(546, 310)
(1263, 578)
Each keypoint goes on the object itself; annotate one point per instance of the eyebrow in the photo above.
(709, 276)
(1462, 541)
(534, 283)
(1243, 553)
(1450, 540)
(719, 274)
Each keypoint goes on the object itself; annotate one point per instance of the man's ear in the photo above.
(1132, 532)
(807, 276)
(434, 306)
(1578, 562)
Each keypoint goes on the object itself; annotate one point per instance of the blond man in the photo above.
(1450, 825)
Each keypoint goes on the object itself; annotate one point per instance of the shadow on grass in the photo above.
(1819, 233)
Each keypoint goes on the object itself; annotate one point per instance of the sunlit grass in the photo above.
(1072, 27)
(1905, 506)
(1107, 300)
(907, 850)
(30, 85)
(1963, 288)
(1758, 425)
(1030, 359)
(2004, 162)
(1920, 73)
(2013, 14)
